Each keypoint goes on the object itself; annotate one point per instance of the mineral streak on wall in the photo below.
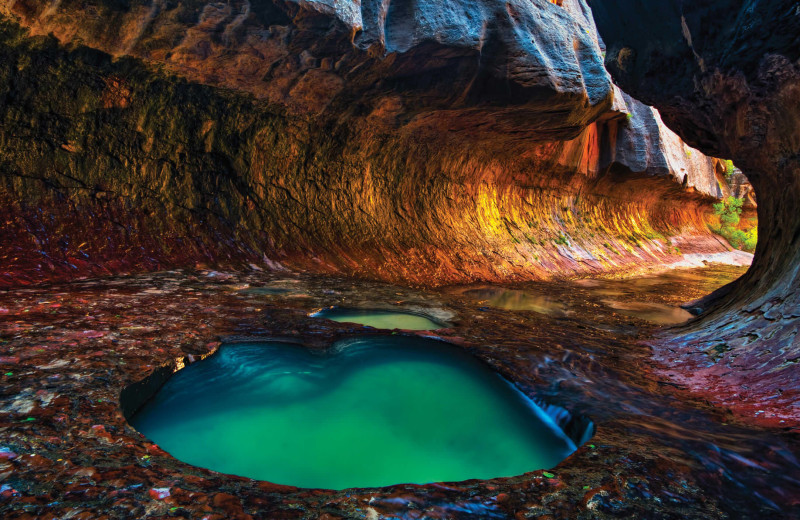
(439, 144)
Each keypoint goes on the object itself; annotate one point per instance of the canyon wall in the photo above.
(423, 144)
(726, 77)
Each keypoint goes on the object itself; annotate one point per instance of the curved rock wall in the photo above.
(726, 76)
(425, 143)
(136, 169)
(316, 57)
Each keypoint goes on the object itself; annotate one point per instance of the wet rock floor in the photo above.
(66, 352)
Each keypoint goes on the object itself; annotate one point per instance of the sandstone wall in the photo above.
(431, 145)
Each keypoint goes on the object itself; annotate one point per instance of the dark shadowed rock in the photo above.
(726, 77)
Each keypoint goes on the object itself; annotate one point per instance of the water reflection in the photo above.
(634, 296)
(653, 312)
(516, 300)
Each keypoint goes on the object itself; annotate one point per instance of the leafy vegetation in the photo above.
(726, 223)
(653, 235)
(729, 211)
(728, 167)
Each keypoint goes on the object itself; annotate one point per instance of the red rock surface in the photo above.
(658, 452)
(426, 146)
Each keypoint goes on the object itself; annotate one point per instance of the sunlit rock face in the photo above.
(726, 76)
(646, 146)
(741, 188)
(437, 144)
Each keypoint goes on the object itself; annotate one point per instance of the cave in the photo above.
(592, 200)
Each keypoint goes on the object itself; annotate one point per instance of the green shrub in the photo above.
(728, 168)
(736, 237)
(751, 240)
(728, 212)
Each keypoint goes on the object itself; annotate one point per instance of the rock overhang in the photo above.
(312, 57)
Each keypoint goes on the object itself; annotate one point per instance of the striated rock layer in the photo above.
(429, 145)
(726, 77)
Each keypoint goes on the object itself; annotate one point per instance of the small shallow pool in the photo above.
(367, 412)
(380, 319)
(657, 313)
(516, 300)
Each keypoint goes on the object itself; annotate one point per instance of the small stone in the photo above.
(7, 454)
(158, 493)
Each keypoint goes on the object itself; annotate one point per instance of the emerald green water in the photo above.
(380, 319)
(370, 412)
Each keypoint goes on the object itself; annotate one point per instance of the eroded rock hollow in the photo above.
(424, 144)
